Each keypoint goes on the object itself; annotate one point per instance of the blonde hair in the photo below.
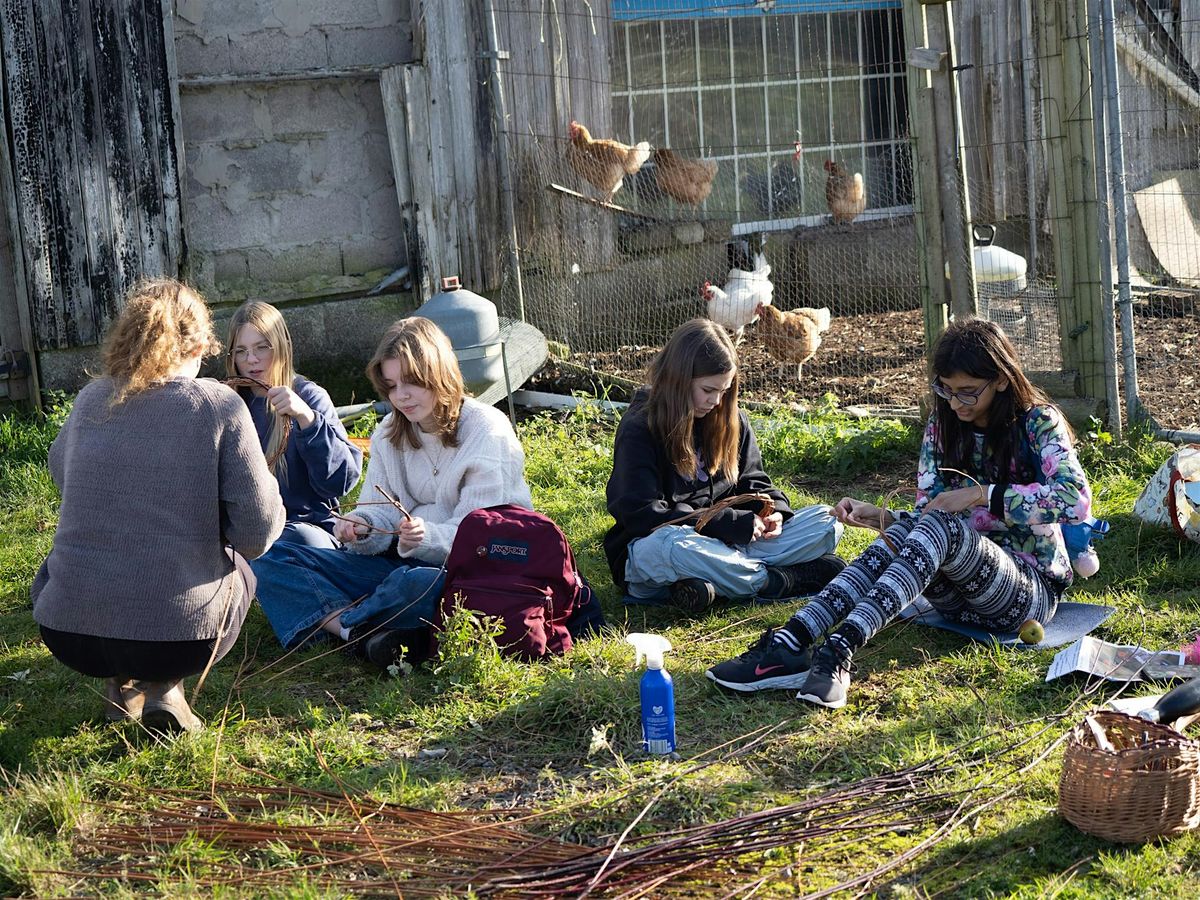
(698, 348)
(269, 322)
(164, 322)
(426, 360)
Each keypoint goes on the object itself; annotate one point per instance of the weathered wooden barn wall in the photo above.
(95, 157)
(559, 71)
(993, 69)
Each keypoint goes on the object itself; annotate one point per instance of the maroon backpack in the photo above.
(516, 564)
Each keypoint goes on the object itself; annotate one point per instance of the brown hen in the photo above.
(845, 193)
(792, 336)
(604, 163)
(686, 180)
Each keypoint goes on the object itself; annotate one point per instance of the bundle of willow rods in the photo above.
(359, 845)
(364, 847)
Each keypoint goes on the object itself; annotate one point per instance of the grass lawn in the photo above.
(552, 751)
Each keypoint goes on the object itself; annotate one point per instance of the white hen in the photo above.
(734, 307)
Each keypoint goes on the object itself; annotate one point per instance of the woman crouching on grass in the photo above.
(314, 461)
(158, 471)
(996, 478)
(440, 455)
(682, 447)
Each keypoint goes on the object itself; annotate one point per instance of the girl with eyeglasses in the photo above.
(310, 456)
(996, 479)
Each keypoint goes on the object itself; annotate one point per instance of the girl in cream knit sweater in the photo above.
(439, 454)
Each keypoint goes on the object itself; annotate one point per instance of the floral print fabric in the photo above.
(1032, 512)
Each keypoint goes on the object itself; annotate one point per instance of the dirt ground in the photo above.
(878, 360)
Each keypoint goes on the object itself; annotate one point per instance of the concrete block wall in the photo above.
(288, 186)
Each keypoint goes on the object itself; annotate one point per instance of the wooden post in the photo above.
(951, 173)
(1066, 72)
(927, 208)
(450, 148)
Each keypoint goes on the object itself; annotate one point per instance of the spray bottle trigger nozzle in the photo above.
(650, 646)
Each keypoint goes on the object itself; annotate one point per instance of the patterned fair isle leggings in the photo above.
(965, 576)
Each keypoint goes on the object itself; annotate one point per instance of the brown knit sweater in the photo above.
(152, 490)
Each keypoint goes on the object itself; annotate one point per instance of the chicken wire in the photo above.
(770, 92)
(1008, 118)
(1157, 45)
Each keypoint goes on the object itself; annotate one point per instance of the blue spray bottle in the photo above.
(658, 694)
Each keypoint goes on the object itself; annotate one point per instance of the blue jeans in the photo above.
(309, 535)
(299, 587)
(676, 552)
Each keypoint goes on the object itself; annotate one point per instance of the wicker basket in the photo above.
(1129, 780)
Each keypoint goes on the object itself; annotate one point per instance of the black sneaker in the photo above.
(828, 679)
(693, 595)
(801, 579)
(767, 665)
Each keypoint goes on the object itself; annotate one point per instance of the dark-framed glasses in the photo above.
(966, 398)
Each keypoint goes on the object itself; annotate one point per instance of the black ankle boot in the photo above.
(801, 579)
(693, 595)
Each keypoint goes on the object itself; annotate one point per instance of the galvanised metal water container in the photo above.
(471, 323)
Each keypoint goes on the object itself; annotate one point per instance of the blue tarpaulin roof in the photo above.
(710, 9)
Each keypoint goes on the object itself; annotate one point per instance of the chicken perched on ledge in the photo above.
(778, 192)
(736, 306)
(792, 336)
(845, 193)
(686, 180)
(604, 163)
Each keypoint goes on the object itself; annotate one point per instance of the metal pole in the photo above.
(506, 185)
(1103, 225)
(1116, 149)
(1027, 57)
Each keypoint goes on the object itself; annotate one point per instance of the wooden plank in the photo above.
(391, 88)
(415, 99)
(113, 91)
(24, 339)
(172, 149)
(585, 57)
(29, 121)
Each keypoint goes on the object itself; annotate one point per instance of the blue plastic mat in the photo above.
(1071, 622)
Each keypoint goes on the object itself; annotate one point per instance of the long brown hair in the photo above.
(426, 360)
(269, 322)
(164, 322)
(698, 348)
(980, 349)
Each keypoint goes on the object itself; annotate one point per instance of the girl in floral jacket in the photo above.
(996, 480)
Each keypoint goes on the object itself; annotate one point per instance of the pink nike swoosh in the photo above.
(759, 670)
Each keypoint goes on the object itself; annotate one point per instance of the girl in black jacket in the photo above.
(682, 447)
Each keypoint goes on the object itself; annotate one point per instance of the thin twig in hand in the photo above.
(366, 525)
(391, 498)
(704, 516)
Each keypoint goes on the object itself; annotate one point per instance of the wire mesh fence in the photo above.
(1157, 44)
(721, 156)
(1009, 118)
(676, 158)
